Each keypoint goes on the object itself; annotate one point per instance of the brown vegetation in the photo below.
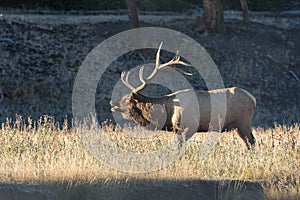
(55, 162)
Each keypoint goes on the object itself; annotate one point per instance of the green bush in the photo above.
(64, 4)
(272, 5)
(146, 5)
(260, 5)
(164, 5)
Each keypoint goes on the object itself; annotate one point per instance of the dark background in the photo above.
(40, 58)
(146, 5)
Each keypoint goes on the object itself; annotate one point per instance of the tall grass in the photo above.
(41, 152)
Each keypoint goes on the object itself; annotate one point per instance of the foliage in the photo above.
(273, 5)
(164, 5)
(64, 4)
(260, 5)
(147, 5)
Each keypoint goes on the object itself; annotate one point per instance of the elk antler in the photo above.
(126, 81)
(175, 61)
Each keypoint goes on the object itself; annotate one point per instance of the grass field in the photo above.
(43, 155)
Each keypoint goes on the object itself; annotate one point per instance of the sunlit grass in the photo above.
(39, 152)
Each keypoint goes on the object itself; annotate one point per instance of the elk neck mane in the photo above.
(141, 105)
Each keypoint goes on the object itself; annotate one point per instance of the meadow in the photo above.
(54, 157)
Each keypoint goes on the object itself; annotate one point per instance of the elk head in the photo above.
(145, 110)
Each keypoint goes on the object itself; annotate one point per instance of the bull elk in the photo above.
(240, 105)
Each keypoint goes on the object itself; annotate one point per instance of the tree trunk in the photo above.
(213, 15)
(132, 13)
(245, 11)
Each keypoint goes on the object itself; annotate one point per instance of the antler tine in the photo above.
(158, 55)
(157, 63)
(141, 72)
(144, 83)
(175, 61)
(126, 82)
(183, 72)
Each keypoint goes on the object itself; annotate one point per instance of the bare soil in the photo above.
(40, 60)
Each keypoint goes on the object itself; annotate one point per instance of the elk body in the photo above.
(143, 110)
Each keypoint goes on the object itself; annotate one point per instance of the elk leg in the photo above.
(247, 136)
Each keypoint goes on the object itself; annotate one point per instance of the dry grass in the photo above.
(40, 153)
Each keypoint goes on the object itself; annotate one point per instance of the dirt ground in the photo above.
(39, 61)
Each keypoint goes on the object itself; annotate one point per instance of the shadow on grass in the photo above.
(135, 189)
